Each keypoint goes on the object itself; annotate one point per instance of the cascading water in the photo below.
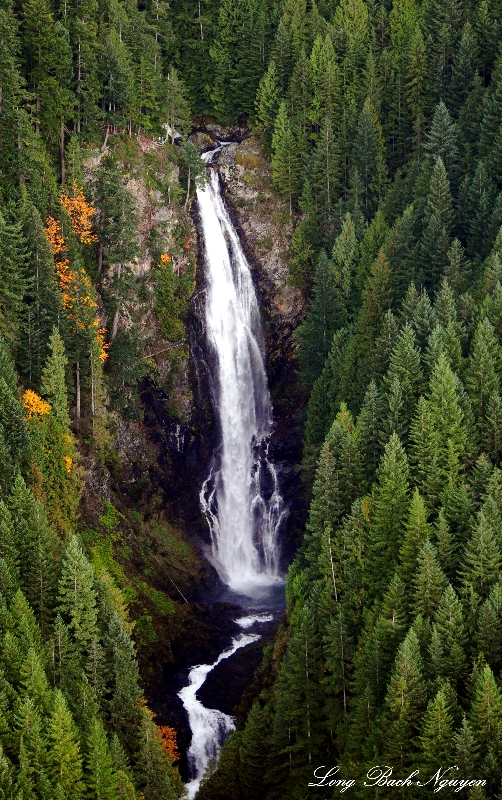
(241, 497)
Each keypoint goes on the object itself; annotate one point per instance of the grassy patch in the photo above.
(144, 628)
(103, 562)
(110, 519)
(162, 603)
(181, 550)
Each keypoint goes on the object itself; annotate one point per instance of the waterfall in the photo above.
(240, 497)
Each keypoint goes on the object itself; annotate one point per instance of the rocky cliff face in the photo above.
(264, 225)
(151, 469)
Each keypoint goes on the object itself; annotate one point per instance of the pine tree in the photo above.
(489, 638)
(326, 176)
(324, 104)
(252, 754)
(430, 583)
(416, 86)
(14, 283)
(425, 453)
(368, 432)
(373, 240)
(196, 167)
(446, 413)
(101, 781)
(64, 750)
(267, 103)
(465, 749)
(406, 697)
(436, 234)
(405, 367)
(442, 140)
(361, 355)
(300, 96)
(38, 549)
(486, 712)
(423, 319)
(325, 315)
(450, 661)
(369, 157)
(437, 734)
(385, 345)
(457, 270)
(123, 671)
(175, 106)
(48, 58)
(382, 642)
(417, 532)
(35, 685)
(482, 377)
(482, 558)
(77, 597)
(445, 546)
(344, 256)
(390, 506)
(285, 158)
(53, 379)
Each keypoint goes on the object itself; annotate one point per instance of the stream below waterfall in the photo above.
(241, 496)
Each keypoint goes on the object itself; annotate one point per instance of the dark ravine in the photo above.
(187, 451)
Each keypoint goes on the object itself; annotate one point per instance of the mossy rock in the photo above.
(250, 161)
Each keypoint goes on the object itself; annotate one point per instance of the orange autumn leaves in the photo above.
(76, 287)
(168, 741)
(80, 212)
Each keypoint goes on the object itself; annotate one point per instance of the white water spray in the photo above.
(209, 726)
(241, 497)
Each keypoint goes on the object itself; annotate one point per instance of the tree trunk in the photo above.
(106, 137)
(92, 387)
(200, 23)
(100, 257)
(37, 121)
(63, 165)
(115, 325)
(188, 188)
(78, 390)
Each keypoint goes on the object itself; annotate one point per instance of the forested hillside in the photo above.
(89, 289)
(383, 127)
(383, 122)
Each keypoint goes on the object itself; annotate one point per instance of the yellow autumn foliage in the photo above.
(34, 404)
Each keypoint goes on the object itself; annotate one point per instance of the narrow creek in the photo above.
(241, 496)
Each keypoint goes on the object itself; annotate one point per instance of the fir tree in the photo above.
(417, 532)
(101, 780)
(267, 103)
(327, 312)
(64, 750)
(285, 160)
(77, 597)
(252, 754)
(430, 583)
(437, 225)
(437, 734)
(482, 557)
(450, 659)
(390, 505)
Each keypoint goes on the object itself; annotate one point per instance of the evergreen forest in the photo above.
(381, 123)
